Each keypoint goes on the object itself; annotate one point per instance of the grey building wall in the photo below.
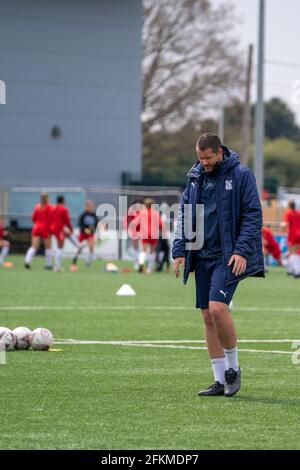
(75, 64)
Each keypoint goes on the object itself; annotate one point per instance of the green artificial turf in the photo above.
(114, 396)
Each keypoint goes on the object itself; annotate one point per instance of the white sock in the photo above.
(58, 257)
(48, 255)
(74, 240)
(4, 253)
(142, 257)
(289, 265)
(151, 261)
(30, 254)
(89, 257)
(231, 356)
(160, 256)
(219, 367)
(295, 264)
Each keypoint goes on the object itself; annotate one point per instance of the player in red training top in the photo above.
(4, 245)
(292, 222)
(40, 232)
(133, 230)
(270, 244)
(60, 227)
(151, 227)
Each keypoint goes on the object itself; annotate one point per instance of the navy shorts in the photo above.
(210, 283)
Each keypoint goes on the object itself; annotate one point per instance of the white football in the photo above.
(7, 339)
(41, 339)
(23, 337)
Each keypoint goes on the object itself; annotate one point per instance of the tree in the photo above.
(190, 61)
(169, 155)
(282, 161)
(280, 121)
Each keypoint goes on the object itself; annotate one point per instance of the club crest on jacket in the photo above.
(228, 185)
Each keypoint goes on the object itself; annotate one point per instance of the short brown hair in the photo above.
(209, 141)
(148, 202)
(44, 198)
(292, 205)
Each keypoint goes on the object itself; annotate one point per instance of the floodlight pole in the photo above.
(260, 111)
(221, 124)
(246, 126)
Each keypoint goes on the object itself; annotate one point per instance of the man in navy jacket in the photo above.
(230, 249)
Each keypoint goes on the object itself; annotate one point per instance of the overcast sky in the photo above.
(282, 43)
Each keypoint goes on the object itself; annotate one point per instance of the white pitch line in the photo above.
(265, 351)
(156, 345)
(138, 307)
(175, 341)
(149, 345)
(95, 307)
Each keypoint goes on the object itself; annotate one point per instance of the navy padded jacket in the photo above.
(239, 216)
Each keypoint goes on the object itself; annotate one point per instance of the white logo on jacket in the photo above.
(228, 185)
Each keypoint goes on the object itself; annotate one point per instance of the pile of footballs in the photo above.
(23, 338)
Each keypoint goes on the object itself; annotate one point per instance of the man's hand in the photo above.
(239, 264)
(177, 263)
